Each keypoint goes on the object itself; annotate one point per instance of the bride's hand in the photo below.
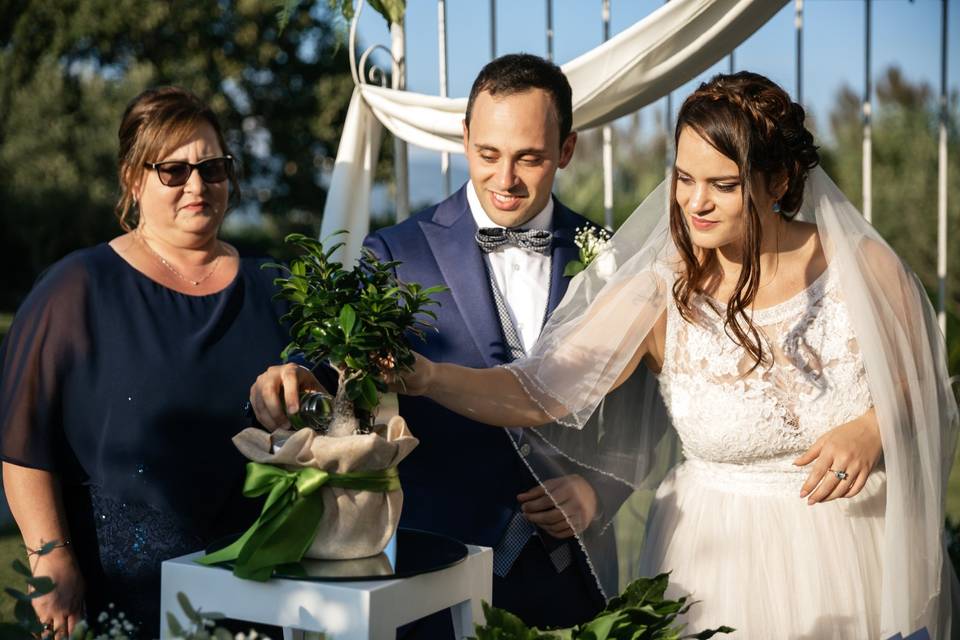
(417, 381)
(853, 448)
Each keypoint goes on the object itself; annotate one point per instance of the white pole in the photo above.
(668, 140)
(867, 169)
(442, 44)
(607, 139)
(398, 49)
(493, 29)
(798, 24)
(550, 30)
(942, 181)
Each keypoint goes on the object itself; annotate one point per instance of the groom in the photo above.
(500, 244)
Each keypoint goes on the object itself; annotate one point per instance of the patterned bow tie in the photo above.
(492, 238)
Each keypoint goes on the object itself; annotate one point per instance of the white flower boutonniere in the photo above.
(593, 243)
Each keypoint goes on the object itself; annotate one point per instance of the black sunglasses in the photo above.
(176, 173)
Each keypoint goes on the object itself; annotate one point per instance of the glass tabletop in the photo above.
(410, 552)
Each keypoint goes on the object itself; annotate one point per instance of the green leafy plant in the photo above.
(200, 626)
(391, 10)
(356, 319)
(641, 612)
(27, 624)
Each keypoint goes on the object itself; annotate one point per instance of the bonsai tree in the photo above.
(357, 320)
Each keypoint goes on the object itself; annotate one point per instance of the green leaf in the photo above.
(17, 595)
(11, 631)
(42, 585)
(188, 609)
(48, 547)
(348, 318)
(709, 633)
(369, 392)
(573, 268)
(222, 634)
(601, 626)
(212, 615)
(433, 290)
(21, 568)
(391, 10)
(287, 8)
(173, 625)
(25, 615)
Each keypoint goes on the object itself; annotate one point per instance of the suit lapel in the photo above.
(451, 236)
(564, 250)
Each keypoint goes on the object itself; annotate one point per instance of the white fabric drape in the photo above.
(632, 69)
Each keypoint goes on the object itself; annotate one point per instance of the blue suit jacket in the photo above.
(464, 477)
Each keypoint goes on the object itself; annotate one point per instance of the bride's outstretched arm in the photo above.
(492, 396)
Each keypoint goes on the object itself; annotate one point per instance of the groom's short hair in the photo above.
(519, 72)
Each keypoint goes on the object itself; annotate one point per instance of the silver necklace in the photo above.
(166, 263)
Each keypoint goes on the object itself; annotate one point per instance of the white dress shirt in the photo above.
(522, 276)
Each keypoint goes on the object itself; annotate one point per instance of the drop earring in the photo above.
(776, 206)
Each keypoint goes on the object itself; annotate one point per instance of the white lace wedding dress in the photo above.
(729, 521)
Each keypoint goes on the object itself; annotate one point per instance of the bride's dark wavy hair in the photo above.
(751, 120)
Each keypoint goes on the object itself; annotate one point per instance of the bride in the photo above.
(801, 367)
(799, 363)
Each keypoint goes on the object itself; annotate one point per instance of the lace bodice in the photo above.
(774, 413)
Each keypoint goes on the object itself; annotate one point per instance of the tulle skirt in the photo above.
(758, 558)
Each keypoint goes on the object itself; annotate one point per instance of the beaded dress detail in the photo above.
(730, 519)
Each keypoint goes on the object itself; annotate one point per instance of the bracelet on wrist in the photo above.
(47, 547)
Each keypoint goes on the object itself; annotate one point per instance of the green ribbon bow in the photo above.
(289, 520)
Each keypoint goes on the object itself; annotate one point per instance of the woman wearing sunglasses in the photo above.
(124, 374)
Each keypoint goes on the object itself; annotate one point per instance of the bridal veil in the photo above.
(592, 336)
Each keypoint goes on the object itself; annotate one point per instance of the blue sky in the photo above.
(906, 34)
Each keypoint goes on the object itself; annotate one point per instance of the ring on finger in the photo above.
(841, 474)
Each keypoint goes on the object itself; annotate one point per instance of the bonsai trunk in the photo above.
(344, 422)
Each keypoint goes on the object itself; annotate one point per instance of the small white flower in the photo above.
(591, 243)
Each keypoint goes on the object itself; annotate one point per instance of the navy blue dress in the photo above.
(130, 392)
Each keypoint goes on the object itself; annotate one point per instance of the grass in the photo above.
(11, 547)
(953, 490)
(5, 320)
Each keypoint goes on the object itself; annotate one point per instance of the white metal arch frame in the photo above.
(638, 66)
(631, 70)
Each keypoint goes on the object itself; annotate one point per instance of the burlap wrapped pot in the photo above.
(355, 524)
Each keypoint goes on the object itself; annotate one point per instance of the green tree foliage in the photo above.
(358, 320)
(905, 142)
(69, 67)
(638, 167)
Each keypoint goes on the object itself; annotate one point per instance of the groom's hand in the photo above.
(563, 509)
(276, 393)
